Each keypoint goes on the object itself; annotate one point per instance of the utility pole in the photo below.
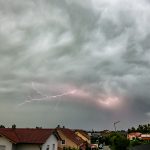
(115, 125)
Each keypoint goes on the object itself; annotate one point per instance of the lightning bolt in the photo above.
(46, 98)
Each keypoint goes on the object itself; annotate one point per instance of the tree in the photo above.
(133, 129)
(13, 126)
(145, 128)
(129, 130)
(2, 126)
(136, 142)
(140, 128)
(119, 142)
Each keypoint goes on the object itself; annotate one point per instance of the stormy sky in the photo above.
(82, 64)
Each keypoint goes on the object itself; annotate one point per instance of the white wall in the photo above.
(50, 141)
(6, 142)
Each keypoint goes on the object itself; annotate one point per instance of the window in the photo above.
(47, 147)
(53, 147)
(2, 147)
(63, 142)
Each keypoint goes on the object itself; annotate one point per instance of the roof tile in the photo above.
(23, 135)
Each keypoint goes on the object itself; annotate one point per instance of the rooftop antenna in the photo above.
(115, 124)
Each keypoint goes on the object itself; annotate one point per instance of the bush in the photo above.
(70, 148)
(135, 142)
(119, 142)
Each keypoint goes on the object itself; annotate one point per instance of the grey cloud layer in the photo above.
(101, 47)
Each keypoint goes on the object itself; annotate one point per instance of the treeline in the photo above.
(141, 128)
(117, 141)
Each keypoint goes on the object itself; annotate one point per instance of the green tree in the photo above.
(119, 142)
(136, 142)
(133, 129)
(140, 128)
(145, 128)
(2, 126)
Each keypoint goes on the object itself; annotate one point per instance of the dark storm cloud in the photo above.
(99, 48)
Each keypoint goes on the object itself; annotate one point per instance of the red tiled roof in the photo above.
(135, 134)
(70, 134)
(36, 136)
(10, 134)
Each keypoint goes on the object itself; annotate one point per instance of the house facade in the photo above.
(28, 139)
(69, 139)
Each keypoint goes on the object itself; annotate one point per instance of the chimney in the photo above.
(13, 126)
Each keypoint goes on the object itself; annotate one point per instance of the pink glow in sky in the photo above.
(42, 93)
(111, 102)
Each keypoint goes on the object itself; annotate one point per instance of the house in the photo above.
(83, 135)
(28, 139)
(69, 139)
(134, 135)
(145, 137)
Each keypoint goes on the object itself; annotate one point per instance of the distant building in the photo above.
(134, 135)
(145, 137)
(138, 135)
